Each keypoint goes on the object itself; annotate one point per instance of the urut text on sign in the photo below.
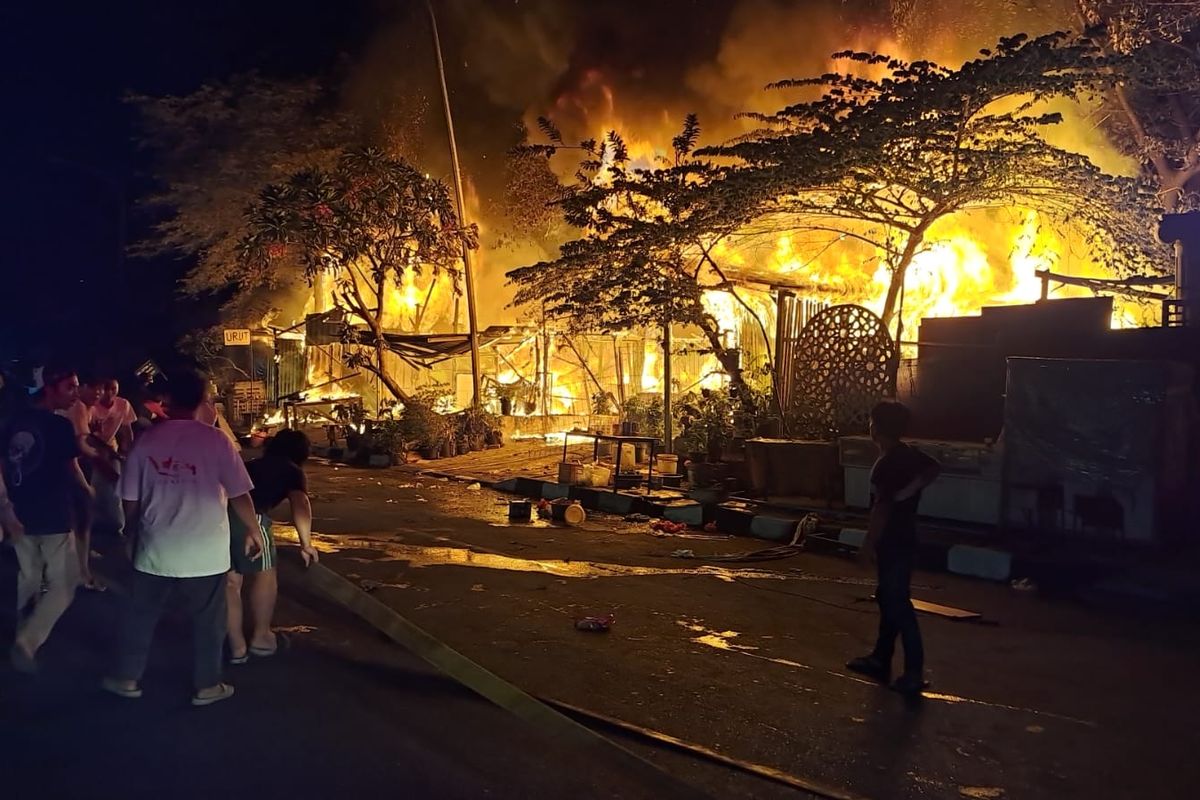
(237, 336)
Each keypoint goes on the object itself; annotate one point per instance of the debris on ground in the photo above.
(479, 587)
(595, 624)
(368, 585)
(1024, 585)
(711, 528)
(636, 518)
(683, 554)
(666, 526)
(474, 487)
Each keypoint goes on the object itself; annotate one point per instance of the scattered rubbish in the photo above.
(637, 518)
(981, 792)
(1034, 729)
(595, 624)
(683, 554)
(1024, 585)
(368, 585)
(949, 612)
(711, 527)
(543, 508)
(474, 487)
(420, 499)
(666, 526)
(479, 587)
(570, 512)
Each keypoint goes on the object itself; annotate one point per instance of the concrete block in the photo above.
(774, 529)
(689, 513)
(979, 562)
(507, 485)
(852, 537)
(555, 491)
(616, 502)
(734, 520)
(587, 496)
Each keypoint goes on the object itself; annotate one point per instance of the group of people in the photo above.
(192, 513)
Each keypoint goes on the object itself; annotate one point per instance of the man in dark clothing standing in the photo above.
(897, 479)
(50, 497)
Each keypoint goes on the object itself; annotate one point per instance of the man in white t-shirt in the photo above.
(111, 423)
(179, 481)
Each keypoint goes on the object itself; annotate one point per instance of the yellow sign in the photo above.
(237, 336)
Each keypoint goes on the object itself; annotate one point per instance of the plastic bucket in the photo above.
(600, 476)
(666, 464)
(570, 474)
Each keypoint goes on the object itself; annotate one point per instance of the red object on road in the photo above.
(595, 624)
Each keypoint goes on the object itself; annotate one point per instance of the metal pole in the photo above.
(668, 433)
(468, 275)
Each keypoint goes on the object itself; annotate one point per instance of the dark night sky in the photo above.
(71, 166)
(73, 174)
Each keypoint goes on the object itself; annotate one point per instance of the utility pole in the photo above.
(468, 276)
(668, 433)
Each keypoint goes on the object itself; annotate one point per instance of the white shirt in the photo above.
(105, 422)
(183, 473)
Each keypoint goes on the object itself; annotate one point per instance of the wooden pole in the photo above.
(468, 275)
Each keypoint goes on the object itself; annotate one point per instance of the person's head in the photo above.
(185, 392)
(106, 388)
(289, 444)
(889, 422)
(60, 387)
(89, 392)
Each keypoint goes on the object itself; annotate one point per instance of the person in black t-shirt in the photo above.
(50, 498)
(278, 476)
(897, 479)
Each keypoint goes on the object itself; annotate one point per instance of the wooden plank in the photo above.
(949, 612)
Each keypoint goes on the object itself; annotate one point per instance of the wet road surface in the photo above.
(1047, 701)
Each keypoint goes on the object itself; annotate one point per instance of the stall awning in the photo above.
(419, 349)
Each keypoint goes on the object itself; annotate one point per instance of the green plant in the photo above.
(646, 412)
(603, 404)
(706, 421)
(421, 422)
(386, 436)
(476, 425)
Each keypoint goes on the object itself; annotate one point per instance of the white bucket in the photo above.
(666, 464)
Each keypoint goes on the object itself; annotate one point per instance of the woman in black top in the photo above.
(278, 476)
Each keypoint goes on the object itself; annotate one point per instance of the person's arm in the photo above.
(133, 525)
(124, 439)
(927, 474)
(243, 506)
(82, 497)
(9, 524)
(302, 519)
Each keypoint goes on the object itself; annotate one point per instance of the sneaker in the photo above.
(910, 685)
(869, 666)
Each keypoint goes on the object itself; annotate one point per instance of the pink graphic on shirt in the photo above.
(172, 468)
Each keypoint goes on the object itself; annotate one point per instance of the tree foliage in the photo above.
(364, 223)
(882, 158)
(213, 151)
(1153, 110)
(886, 149)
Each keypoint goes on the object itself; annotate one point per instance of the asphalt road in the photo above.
(338, 713)
(1047, 700)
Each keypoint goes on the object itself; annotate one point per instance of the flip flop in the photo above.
(116, 687)
(264, 652)
(242, 659)
(225, 693)
(95, 586)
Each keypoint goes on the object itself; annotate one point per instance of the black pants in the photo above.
(204, 601)
(896, 614)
